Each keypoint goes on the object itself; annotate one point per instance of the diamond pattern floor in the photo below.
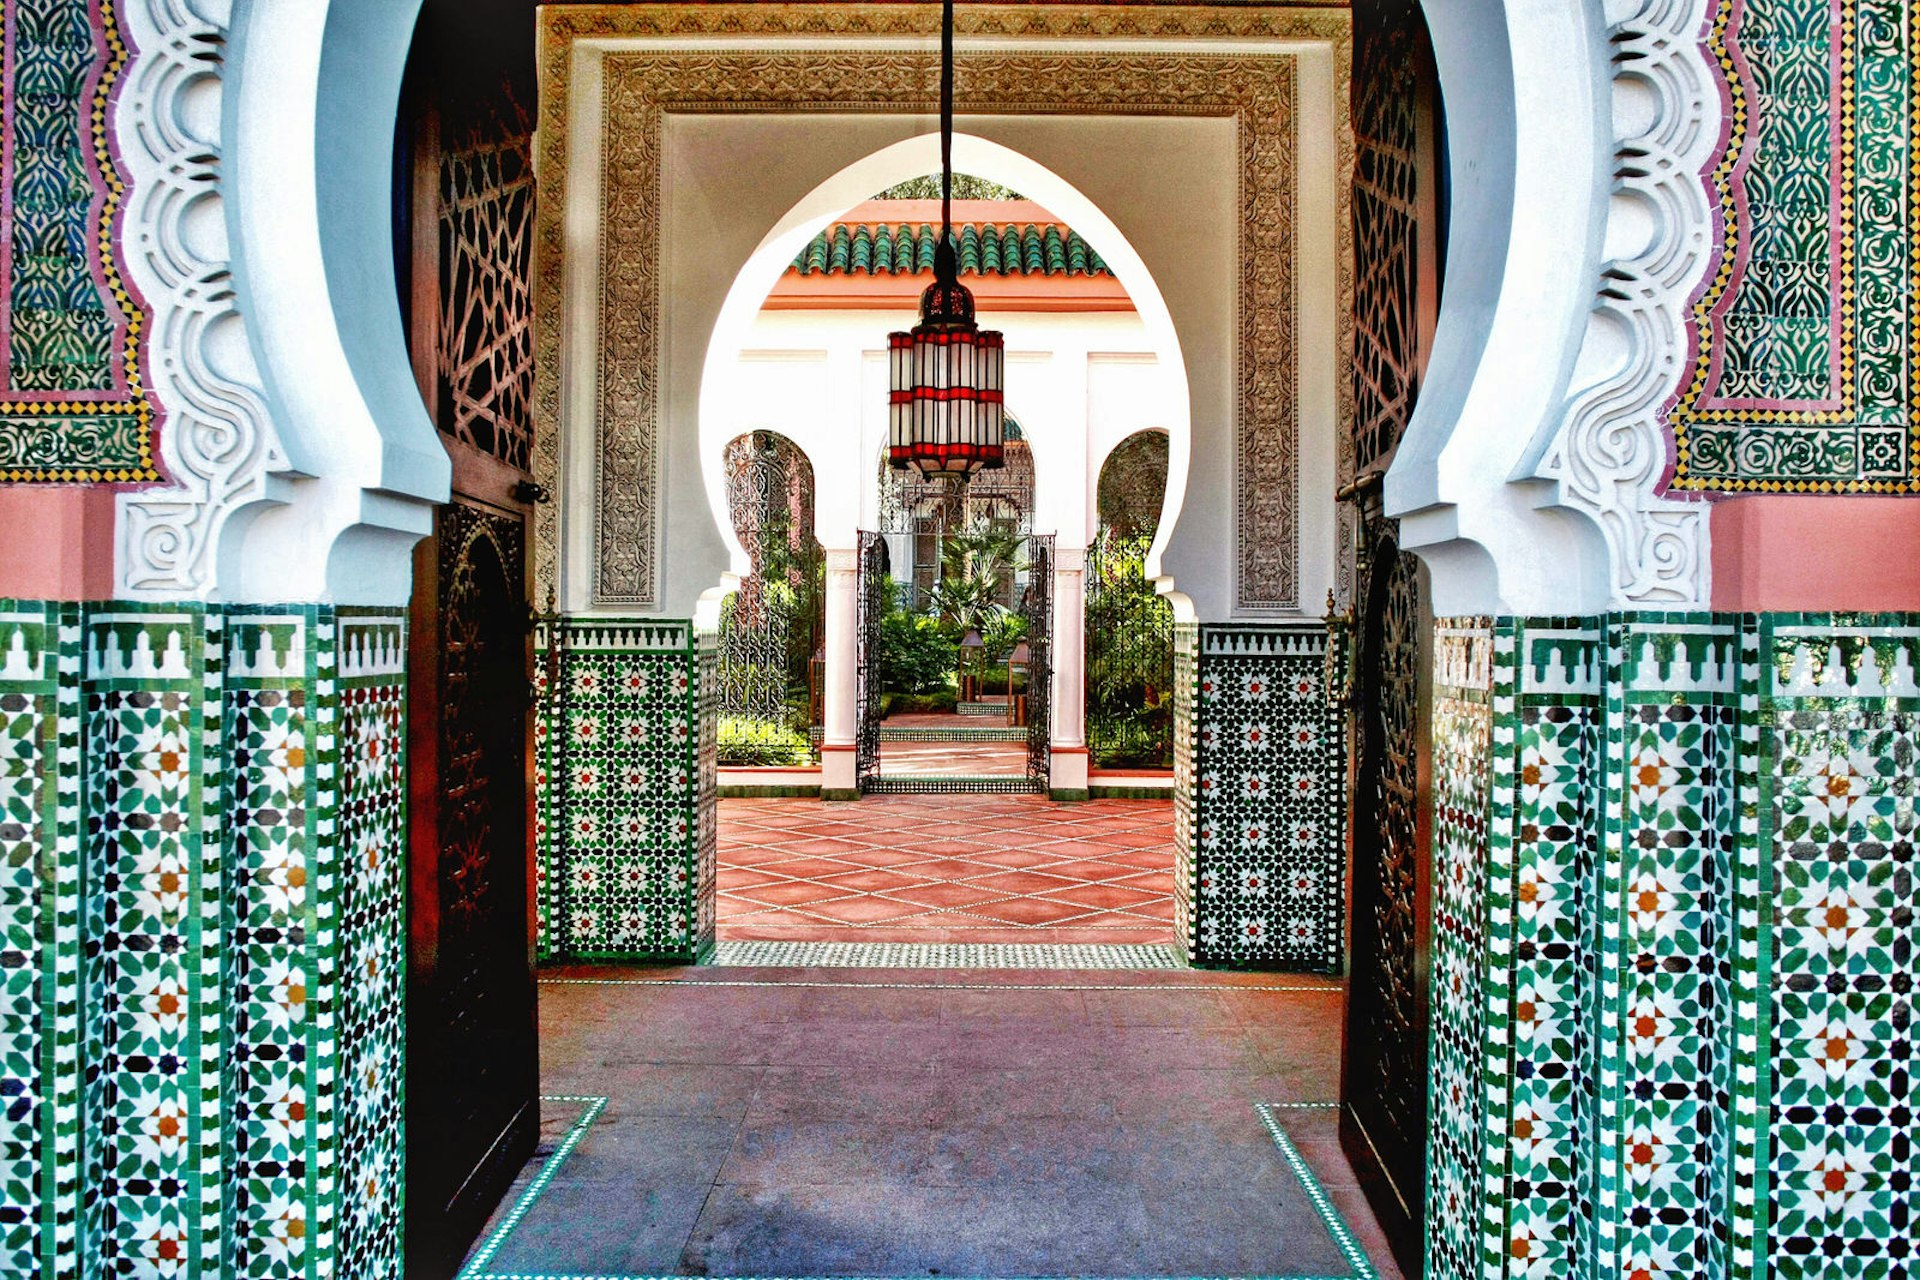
(948, 868)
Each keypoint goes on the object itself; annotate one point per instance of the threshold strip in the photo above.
(933, 986)
(945, 955)
(478, 1263)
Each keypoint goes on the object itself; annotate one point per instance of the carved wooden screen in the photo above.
(1396, 222)
(1385, 1064)
(473, 1112)
(484, 356)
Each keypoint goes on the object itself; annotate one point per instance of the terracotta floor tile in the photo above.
(866, 910)
(944, 894)
(1110, 897)
(1029, 911)
(974, 868)
(791, 893)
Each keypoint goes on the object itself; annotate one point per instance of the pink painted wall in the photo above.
(1816, 553)
(56, 543)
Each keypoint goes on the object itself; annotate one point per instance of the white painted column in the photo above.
(1068, 772)
(841, 711)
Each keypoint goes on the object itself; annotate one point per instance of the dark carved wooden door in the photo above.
(472, 1053)
(472, 1064)
(1384, 1085)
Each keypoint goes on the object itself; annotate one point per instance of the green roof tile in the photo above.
(983, 249)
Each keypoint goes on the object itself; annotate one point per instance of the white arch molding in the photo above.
(1529, 478)
(910, 158)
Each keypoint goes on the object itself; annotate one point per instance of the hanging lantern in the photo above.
(946, 408)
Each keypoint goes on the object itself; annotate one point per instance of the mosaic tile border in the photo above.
(942, 986)
(478, 1263)
(907, 784)
(1835, 412)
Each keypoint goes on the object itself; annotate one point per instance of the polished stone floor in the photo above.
(896, 1123)
(947, 868)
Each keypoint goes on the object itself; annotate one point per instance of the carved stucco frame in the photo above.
(1037, 71)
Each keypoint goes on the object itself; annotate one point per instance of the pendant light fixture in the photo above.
(946, 409)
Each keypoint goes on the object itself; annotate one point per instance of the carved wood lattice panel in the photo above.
(485, 357)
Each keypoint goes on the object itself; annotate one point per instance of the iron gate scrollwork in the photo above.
(770, 626)
(1129, 625)
(876, 600)
(1036, 606)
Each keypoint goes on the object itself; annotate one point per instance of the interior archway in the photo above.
(878, 171)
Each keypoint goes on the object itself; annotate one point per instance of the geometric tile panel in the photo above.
(1261, 870)
(1838, 718)
(627, 824)
(204, 906)
(73, 406)
(1674, 946)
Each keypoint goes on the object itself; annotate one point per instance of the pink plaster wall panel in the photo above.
(56, 544)
(1816, 553)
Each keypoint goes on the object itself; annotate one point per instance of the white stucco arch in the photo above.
(304, 464)
(304, 467)
(1528, 478)
(911, 158)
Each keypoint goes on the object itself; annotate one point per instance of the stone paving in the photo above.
(986, 1123)
(947, 868)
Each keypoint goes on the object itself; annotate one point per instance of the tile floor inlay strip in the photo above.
(942, 955)
(477, 1264)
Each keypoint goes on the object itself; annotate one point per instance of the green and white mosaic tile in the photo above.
(627, 831)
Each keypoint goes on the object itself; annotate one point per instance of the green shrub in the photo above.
(916, 654)
(751, 740)
(907, 704)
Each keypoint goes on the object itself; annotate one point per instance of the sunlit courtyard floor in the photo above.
(947, 869)
(951, 1123)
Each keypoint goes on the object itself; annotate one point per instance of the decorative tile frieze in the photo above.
(1839, 726)
(627, 822)
(1260, 869)
(1806, 368)
(1674, 969)
(73, 400)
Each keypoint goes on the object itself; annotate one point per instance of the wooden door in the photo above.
(472, 1053)
(1383, 1119)
(472, 1050)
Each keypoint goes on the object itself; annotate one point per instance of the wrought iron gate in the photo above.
(1129, 634)
(770, 627)
(876, 598)
(1036, 605)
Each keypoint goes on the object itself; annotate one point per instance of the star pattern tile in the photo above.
(948, 868)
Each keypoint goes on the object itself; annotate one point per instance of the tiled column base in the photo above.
(1261, 767)
(1637, 1068)
(202, 834)
(626, 784)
